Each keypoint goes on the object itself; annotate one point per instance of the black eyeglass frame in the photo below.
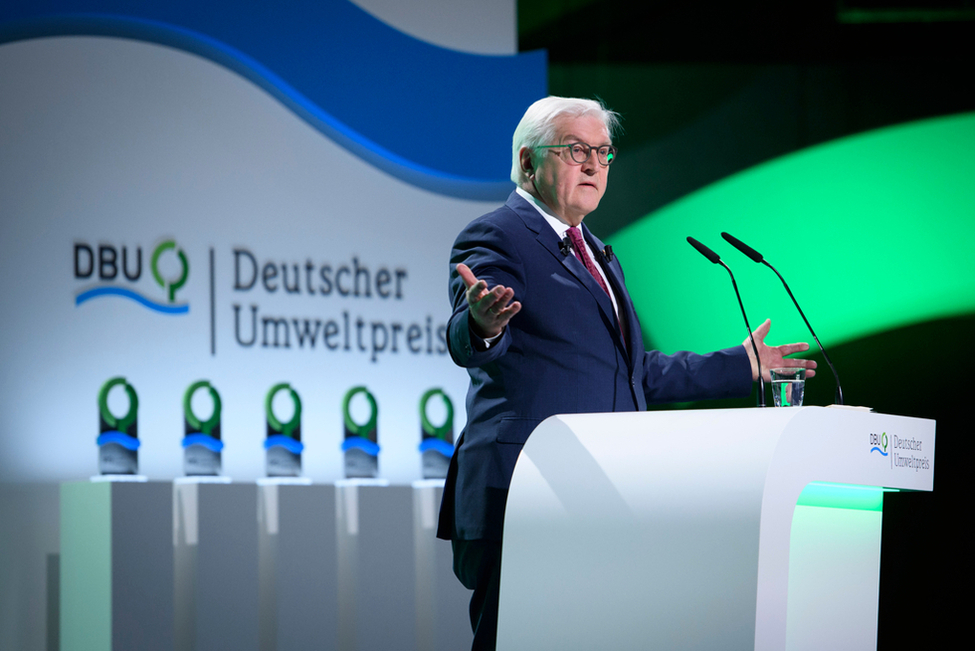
(610, 152)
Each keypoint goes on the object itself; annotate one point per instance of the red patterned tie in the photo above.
(580, 250)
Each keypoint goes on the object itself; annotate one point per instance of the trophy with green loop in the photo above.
(361, 443)
(201, 441)
(118, 438)
(283, 443)
(436, 441)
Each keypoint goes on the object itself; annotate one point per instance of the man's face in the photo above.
(572, 190)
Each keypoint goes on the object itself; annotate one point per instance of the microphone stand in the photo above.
(758, 257)
(713, 257)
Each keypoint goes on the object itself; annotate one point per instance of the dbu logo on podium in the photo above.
(878, 443)
(118, 272)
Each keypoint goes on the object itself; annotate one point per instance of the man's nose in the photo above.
(592, 164)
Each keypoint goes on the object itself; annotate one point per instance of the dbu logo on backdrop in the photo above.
(118, 271)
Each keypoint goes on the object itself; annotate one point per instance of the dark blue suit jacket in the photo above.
(562, 353)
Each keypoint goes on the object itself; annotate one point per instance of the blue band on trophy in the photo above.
(285, 442)
(126, 441)
(207, 441)
(360, 443)
(437, 445)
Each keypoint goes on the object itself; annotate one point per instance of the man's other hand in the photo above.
(774, 356)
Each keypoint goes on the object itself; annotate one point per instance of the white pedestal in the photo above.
(442, 619)
(116, 569)
(377, 576)
(297, 567)
(214, 537)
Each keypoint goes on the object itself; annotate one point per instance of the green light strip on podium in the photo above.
(873, 232)
(843, 496)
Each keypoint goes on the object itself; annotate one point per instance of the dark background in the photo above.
(707, 89)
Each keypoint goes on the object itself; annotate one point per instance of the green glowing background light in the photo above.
(873, 232)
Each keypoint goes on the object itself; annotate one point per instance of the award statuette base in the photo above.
(138, 479)
(114, 459)
(360, 464)
(282, 462)
(199, 460)
(435, 465)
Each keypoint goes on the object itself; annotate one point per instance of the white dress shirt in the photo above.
(560, 228)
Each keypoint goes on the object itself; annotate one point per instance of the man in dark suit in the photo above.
(544, 325)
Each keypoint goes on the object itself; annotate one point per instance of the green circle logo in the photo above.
(287, 429)
(429, 428)
(368, 429)
(118, 424)
(205, 427)
(170, 286)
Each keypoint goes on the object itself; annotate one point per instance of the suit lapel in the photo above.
(615, 277)
(627, 312)
(549, 241)
(546, 237)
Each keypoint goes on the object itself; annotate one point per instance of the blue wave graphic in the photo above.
(367, 446)
(444, 448)
(207, 441)
(435, 118)
(876, 449)
(283, 441)
(128, 293)
(114, 436)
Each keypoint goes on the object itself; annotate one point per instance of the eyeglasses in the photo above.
(580, 152)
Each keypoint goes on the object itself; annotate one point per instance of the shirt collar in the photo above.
(559, 226)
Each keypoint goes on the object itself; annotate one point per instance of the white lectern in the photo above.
(713, 529)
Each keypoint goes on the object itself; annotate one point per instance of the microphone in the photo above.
(608, 253)
(757, 257)
(713, 257)
(706, 252)
(565, 246)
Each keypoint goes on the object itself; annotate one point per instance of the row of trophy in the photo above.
(118, 440)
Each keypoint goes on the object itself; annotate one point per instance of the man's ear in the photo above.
(526, 160)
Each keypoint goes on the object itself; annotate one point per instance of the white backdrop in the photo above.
(121, 143)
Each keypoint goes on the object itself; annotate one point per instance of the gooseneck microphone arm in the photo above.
(758, 257)
(713, 257)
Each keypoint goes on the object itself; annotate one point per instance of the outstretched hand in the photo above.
(490, 309)
(773, 356)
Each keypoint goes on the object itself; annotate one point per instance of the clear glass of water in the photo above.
(787, 386)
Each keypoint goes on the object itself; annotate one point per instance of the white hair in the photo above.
(537, 126)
